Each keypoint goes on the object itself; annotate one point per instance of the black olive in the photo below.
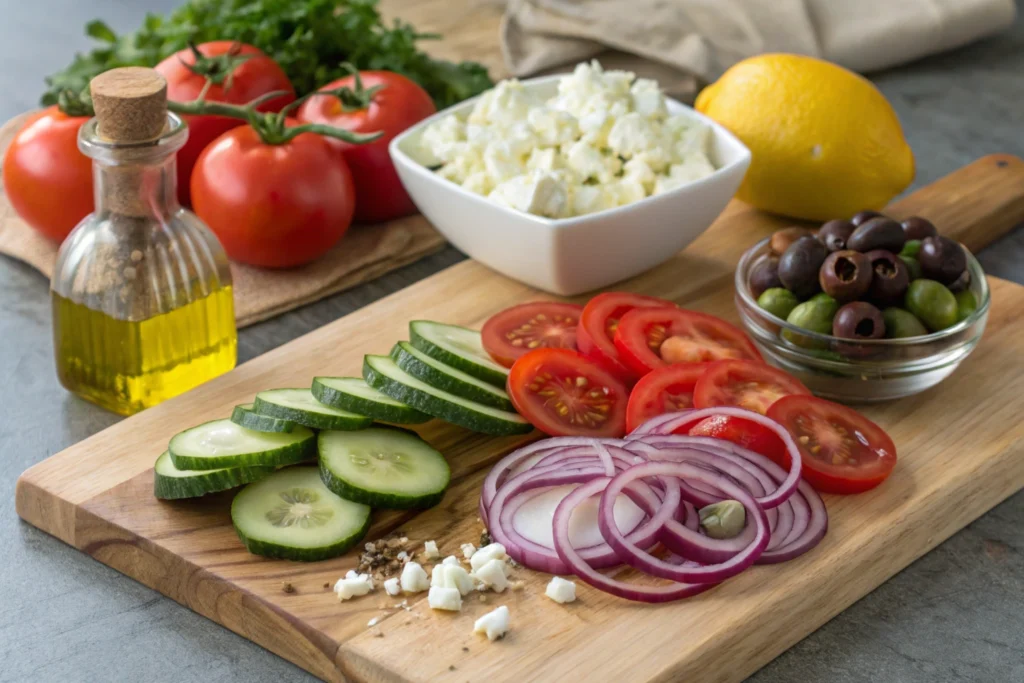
(942, 259)
(781, 239)
(864, 217)
(891, 278)
(834, 234)
(961, 283)
(858, 320)
(917, 228)
(877, 233)
(799, 265)
(764, 275)
(845, 275)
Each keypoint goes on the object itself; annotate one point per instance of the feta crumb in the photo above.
(451, 560)
(351, 574)
(430, 550)
(402, 556)
(494, 551)
(392, 587)
(373, 622)
(560, 590)
(492, 575)
(414, 578)
(494, 624)
(467, 550)
(449, 599)
(451, 576)
(348, 588)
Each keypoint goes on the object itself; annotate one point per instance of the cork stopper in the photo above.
(130, 104)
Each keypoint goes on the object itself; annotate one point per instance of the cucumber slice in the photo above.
(354, 394)
(245, 416)
(445, 377)
(383, 374)
(383, 467)
(458, 347)
(298, 405)
(222, 443)
(293, 516)
(170, 483)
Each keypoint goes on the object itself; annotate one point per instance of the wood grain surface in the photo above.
(960, 447)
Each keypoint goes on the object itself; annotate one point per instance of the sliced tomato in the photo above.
(562, 393)
(750, 435)
(537, 325)
(842, 451)
(745, 384)
(650, 338)
(665, 390)
(596, 332)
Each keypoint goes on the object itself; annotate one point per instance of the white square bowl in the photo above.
(569, 256)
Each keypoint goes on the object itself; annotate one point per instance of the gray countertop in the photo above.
(957, 614)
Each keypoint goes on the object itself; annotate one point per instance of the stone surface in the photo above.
(957, 614)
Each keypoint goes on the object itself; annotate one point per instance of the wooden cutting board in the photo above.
(960, 453)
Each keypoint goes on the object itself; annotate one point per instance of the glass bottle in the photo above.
(142, 300)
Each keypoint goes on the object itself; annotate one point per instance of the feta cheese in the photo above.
(402, 556)
(451, 576)
(494, 551)
(494, 624)
(589, 162)
(353, 586)
(492, 575)
(631, 135)
(430, 550)
(502, 162)
(539, 193)
(392, 587)
(414, 578)
(440, 597)
(543, 159)
(373, 622)
(553, 127)
(452, 560)
(351, 574)
(479, 183)
(647, 99)
(467, 550)
(560, 590)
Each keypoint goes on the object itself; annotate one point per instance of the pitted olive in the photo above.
(799, 266)
(891, 277)
(845, 275)
(877, 233)
(942, 259)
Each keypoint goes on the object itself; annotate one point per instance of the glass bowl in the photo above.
(860, 371)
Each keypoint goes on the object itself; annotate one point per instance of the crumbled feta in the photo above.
(494, 551)
(414, 578)
(392, 587)
(467, 550)
(451, 576)
(560, 590)
(402, 556)
(440, 597)
(494, 624)
(351, 574)
(533, 155)
(373, 622)
(493, 575)
(430, 550)
(353, 586)
(452, 560)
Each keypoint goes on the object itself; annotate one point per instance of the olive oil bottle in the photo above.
(142, 299)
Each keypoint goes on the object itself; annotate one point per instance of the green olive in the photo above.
(913, 266)
(932, 303)
(778, 301)
(815, 316)
(724, 519)
(900, 323)
(827, 301)
(911, 248)
(966, 304)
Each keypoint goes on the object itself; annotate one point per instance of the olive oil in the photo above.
(127, 366)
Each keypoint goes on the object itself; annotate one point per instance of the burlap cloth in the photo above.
(364, 253)
(681, 42)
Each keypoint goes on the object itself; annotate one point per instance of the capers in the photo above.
(835, 233)
(858, 320)
(900, 324)
(778, 301)
(877, 233)
(932, 303)
(764, 275)
(966, 304)
(782, 239)
(917, 228)
(799, 265)
(724, 519)
(845, 275)
(891, 277)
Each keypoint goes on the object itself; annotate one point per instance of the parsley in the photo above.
(309, 39)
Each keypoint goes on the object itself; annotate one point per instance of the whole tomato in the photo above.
(238, 73)
(46, 179)
(396, 104)
(273, 205)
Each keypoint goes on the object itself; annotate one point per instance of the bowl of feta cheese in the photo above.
(572, 182)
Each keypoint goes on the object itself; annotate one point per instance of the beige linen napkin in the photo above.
(364, 253)
(703, 38)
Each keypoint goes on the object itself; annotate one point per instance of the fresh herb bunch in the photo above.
(310, 39)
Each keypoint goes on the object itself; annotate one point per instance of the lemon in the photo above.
(825, 142)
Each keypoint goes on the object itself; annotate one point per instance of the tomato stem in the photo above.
(216, 69)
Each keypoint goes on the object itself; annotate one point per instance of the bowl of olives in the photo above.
(865, 309)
